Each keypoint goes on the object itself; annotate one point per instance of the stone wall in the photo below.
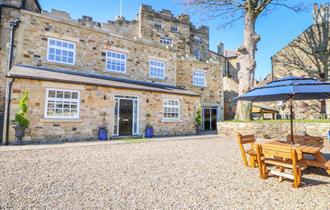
(274, 130)
(230, 89)
(213, 92)
(307, 55)
(95, 100)
(230, 86)
(91, 47)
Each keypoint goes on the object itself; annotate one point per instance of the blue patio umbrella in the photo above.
(289, 89)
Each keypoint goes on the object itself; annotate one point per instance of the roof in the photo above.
(260, 109)
(84, 77)
(230, 54)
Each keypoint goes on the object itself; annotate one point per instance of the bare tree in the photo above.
(230, 11)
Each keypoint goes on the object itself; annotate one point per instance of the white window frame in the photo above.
(47, 98)
(172, 106)
(155, 22)
(157, 67)
(166, 40)
(62, 49)
(200, 77)
(115, 59)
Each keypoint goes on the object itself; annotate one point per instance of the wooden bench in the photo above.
(301, 139)
(282, 157)
(247, 139)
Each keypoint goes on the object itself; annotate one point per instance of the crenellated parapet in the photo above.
(164, 13)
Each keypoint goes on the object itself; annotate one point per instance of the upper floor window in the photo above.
(197, 53)
(165, 40)
(157, 24)
(174, 28)
(171, 109)
(197, 39)
(199, 78)
(62, 104)
(157, 69)
(116, 61)
(61, 51)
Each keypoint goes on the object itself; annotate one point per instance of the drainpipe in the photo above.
(13, 27)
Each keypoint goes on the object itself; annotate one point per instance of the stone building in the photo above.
(230, 83)
(307, 55)
(122, 75)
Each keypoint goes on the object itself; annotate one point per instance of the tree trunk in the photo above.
(246, 59)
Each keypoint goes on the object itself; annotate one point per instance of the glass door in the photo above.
(210, 118)
(126, 122)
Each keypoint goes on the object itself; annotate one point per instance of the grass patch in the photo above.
(280, 121)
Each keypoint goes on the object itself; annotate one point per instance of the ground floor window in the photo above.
(62, 104)
(171, 109)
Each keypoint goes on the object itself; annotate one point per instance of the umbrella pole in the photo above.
(291, 120)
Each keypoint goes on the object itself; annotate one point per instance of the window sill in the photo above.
(58, 64)
(199, 86)
(60, 120)
(171, 121)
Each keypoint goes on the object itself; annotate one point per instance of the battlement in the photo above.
(322, 13)
(164, 13)
(88, 21)
(202, 29)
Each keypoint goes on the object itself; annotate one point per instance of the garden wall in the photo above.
(276, 130)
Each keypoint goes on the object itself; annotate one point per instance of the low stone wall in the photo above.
(277, 130)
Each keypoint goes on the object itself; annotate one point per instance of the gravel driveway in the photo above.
(180, 174)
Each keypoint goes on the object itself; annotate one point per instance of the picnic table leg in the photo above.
(253, 160)
(319, 157)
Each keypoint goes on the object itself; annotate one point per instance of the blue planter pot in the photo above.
(149, 133)
(103, 134)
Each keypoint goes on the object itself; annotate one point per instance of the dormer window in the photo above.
(166, 40)
(175, 29)
(197, 39)
(157, 24)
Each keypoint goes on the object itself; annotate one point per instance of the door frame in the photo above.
(210, 108)
(127, 97)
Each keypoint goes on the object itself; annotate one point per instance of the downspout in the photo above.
(13, 26)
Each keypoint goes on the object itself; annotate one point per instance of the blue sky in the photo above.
(276, 30)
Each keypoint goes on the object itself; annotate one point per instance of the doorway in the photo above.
(125, 116)
(210, 118)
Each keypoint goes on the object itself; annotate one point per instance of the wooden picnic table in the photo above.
(312, 149)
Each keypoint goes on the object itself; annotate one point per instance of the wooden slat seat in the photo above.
(244, 140)
(283, 157)
(285, 164)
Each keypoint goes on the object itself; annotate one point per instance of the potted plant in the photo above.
(21, 121)
(149, 132)
(198, 119)
(103, 132)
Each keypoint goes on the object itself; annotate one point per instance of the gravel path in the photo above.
(181, 174)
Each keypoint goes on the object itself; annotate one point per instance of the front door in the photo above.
(210, 118)
(125, 117)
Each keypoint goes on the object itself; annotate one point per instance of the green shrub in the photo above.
(198, 118)
(20, 117)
